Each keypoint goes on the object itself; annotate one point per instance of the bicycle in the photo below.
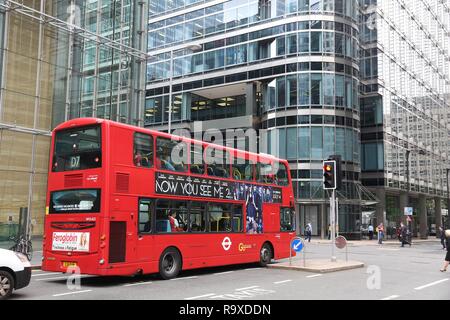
(23, 245)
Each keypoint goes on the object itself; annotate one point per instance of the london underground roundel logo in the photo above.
(226, 244)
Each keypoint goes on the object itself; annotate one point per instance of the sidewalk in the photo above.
(375, 242)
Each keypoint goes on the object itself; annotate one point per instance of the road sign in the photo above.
(409, 211)
(340, 242)
(297, 245)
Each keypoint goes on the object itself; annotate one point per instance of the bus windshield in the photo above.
(77, 149)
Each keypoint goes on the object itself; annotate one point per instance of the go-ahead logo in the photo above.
(226, 244)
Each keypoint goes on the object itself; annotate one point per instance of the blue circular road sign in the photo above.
(297, 245)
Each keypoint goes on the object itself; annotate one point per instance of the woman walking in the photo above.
(447, 257)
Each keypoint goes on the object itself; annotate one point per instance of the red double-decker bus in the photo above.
(124, 200)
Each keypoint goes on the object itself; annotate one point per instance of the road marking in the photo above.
(61, 278)
(227, 272)
(284, 281)
(391, 297)
(241, 289)
(252, 269)
(67, 293)
(55, 278)
(315, 276)
(45, 274)
(431, 284)
(136, 284)
(185, 278)
(198, 297)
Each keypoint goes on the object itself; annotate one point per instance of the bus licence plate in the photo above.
(67, 264)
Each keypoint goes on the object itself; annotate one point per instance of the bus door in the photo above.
(119, 236)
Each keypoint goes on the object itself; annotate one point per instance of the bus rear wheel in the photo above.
(265, 255)
(170, 264)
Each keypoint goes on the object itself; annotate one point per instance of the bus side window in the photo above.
(145, 216)
(265, 173)
(143, 150)
(171, 155)
(282, 177)
(218, 162)
(238, 225)
(242, 169)
(197, 161)
(287, 219)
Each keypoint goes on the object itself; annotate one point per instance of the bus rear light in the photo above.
(69, 253)
(103, 237)
(102, 245)
(102, 261)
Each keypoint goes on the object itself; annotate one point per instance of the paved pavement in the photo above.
(391, 272)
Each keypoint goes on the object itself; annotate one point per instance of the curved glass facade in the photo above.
(291, 66)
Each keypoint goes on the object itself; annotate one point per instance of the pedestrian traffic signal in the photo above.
(329, 175)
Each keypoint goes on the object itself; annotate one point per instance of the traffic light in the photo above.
(329, 175)
(332, 173)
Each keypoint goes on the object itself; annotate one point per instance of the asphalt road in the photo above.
(391, 272)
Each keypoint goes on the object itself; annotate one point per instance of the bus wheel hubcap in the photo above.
(168, 263)
(265, 254)
(4, 286)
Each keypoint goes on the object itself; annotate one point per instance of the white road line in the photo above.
(185, 278)
(136, 284)
(60, 278)
(247, 288)
(219, 273)
(391, 297)
(431, 284)
(252, 269)
(55, 278)
(284, 281)
(198, 297)
(67, 293)
(315, 276)
(45, 274)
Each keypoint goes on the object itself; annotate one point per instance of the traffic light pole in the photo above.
(333, 224)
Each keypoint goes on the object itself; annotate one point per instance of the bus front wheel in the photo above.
(265, 255)
(170, 264)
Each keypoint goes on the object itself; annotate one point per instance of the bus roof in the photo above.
(79, 122)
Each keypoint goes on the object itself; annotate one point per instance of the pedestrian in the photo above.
(404, 235)
(308, 231)
(329, 232)
(380, 233)
(370, 232)
(442, 235)
(447, 256)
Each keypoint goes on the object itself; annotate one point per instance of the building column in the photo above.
(381, 206)
(423, 229)
(438, 214)
(404, 202)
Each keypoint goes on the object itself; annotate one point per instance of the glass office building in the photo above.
(60, 60)
(286, 68)
(405, 70)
